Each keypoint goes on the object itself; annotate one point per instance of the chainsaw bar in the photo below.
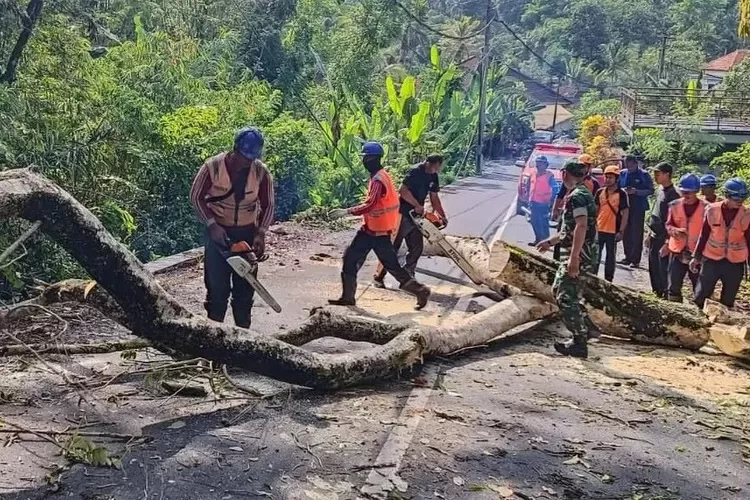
(433, 235)
(244, 268)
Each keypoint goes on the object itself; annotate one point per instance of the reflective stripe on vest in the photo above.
(727, 242)
(693, 224)
(384, 217)
(220, 198)
(540, 189)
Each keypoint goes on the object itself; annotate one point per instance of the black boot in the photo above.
(422, 292)
(216, 311)
(674, 298)
(348, 293)
(576, 348)
(241, 313)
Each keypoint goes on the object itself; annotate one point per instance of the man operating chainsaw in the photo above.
(233, 195)
(420, 180)
(380, 213)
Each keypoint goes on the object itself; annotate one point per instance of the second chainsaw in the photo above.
(430, 225)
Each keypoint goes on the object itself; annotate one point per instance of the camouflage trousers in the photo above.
(568, 297)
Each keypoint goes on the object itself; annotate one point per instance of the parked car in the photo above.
(557, 155)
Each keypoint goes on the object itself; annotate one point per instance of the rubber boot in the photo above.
(422, 292)
(674, 298)
(241, 314)
(575, 347)
(348, 293)
(216, 312)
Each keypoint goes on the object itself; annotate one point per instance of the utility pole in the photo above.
(662, 57)
(483, 68)
(557, 100)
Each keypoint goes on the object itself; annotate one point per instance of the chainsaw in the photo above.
(241, 258)
(430, 225)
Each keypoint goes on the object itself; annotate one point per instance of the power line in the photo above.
(437, 31)
(542, 59)
(482, 30)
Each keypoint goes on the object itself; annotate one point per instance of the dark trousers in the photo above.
(607, 242)
(676, 277)
(407, 232)
(658, 267)
(539, 220)
(713, 271)
(632, 240)
(357, 251)
(221, 281)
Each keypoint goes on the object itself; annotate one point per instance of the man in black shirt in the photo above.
(420, 180)
(658, 253)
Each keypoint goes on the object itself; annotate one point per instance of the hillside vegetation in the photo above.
(120, 101)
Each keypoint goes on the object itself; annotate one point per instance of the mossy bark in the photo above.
(150, 312)
(617, 310)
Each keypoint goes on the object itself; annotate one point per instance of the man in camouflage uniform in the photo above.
(579, 251)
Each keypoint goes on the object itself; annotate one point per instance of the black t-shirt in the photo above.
(419, 183)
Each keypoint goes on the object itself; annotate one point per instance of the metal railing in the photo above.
(715, 111)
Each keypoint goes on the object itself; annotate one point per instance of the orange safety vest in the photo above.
(727, 242)
(383, 218)
(694, 224)
(540, 190)
(220, 198)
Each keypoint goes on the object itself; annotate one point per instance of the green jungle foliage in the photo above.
(120, 101)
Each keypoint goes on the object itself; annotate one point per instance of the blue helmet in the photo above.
(708, 180)
(372, 148)
(689, 183)
(541, 159)
(736, 189)
(249, 142)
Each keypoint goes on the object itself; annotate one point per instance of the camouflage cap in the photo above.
(575, 169)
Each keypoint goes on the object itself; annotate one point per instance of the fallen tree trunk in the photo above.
(150, 312)
(617, 310)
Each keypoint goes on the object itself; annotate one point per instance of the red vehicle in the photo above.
(557, 156)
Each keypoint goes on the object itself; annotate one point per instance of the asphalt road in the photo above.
(485, 206)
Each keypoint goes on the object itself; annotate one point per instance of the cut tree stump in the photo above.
(151, 313)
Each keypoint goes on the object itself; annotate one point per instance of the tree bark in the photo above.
(150, 312)
(617, 310)
(28, 21)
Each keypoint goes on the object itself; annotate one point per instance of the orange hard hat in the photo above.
(586, 159)
(612, 169)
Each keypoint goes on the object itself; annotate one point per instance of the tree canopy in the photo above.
(121, 101)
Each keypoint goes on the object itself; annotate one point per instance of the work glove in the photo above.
(338, 213)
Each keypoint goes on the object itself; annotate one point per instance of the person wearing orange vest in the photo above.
(541, 191)
(612, 206)
(684, 223)
(381, 220)
(722, 250)
(233, 195)
(420, 181)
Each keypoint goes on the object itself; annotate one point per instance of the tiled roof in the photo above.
(727, 62)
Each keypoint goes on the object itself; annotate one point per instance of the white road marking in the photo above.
(383, 477)
(508, 216)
